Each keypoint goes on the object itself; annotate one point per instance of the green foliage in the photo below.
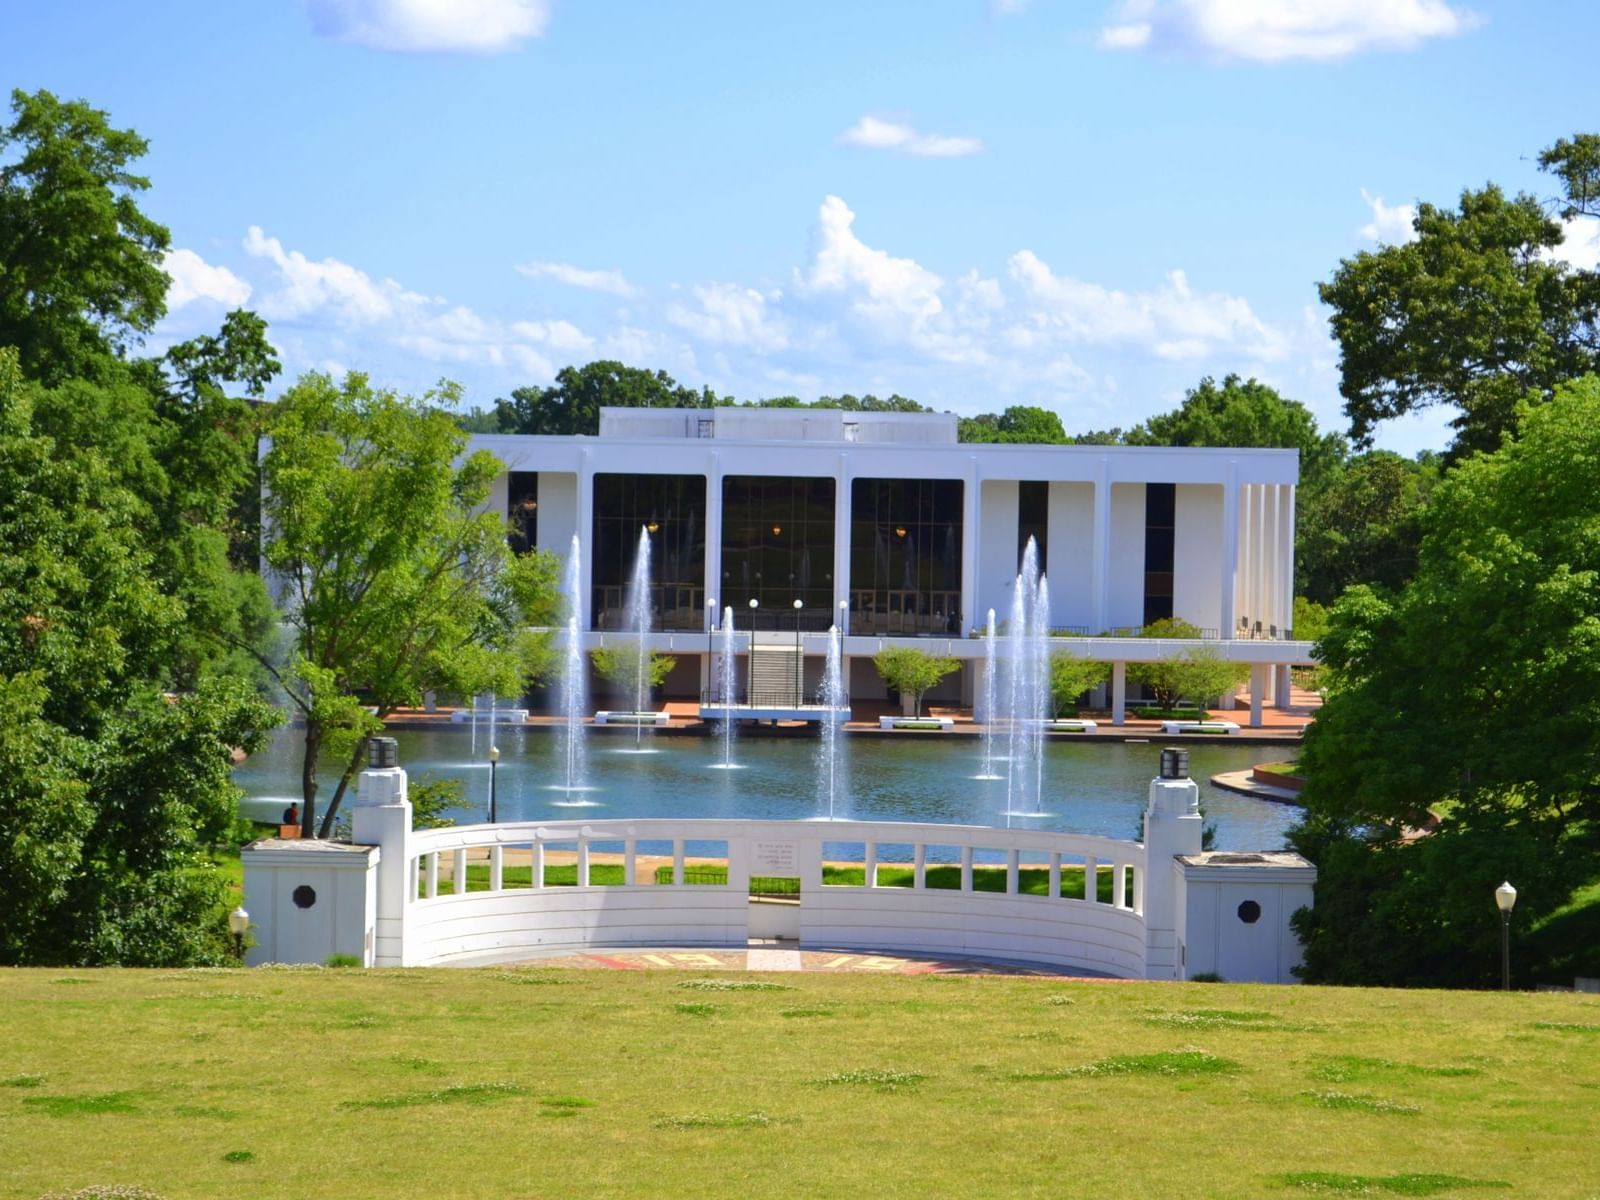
(1478, 313)
(1575, 162)
(1019, 423)
(621, 666)
(1363, 525)
(1310, 620)
(1196, 673)
(1244, 413)
(572, 404)
(109, 790)
(80, 264)
(396, 581)
(1476, 688)
(1070, 677)
(913, 671)
(430, 798)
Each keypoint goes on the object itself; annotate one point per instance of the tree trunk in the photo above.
(344, 783)
(308, 778)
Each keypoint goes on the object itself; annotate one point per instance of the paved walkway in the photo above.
(780, 957)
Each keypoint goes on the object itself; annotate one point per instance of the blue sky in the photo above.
(1086, 206)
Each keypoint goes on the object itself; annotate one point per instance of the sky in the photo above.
(1085, 206)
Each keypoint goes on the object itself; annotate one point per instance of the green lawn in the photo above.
(523, 1083)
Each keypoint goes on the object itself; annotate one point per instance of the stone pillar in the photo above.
(381, 817)
(1285, 686)
(1171, 828)
(1258, 692)
(971, 515)
(1119, 693)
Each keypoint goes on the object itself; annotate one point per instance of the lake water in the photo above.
(1090, 789)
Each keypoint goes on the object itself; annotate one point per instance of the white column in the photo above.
(1171, 827)
(382, 818)
(713, 516)
(1230, 551)
(1258, 691)
(971, 514)
(1285, 688)
(586, 538)
(1100, 567)
(841, 540)
(1119, 692)
(1258, 562)
(1286, 555)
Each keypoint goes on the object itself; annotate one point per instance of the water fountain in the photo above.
(727, 687)
(574, 674)
(833, 699)
(1028, 677)
(639, 620)
(990, 698)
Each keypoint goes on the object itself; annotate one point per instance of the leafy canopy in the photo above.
(1477, 313)
(907, 669)
(80, 263)
(393, 578)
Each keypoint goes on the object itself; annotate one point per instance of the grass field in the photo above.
(550, 1083)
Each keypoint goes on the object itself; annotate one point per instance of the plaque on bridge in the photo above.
(773, 858)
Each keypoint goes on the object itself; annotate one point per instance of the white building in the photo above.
(884, 524)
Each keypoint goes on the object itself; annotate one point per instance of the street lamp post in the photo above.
(238, 925)
(1505, 899)
(750, 667)
(711, 622)
(799, 668)
(494, 767)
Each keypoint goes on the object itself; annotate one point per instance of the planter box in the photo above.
(1214, 728)
(1072, 726)
(1289, 783)
(930, 723)
(606, 717)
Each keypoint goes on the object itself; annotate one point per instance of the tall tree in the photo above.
(572, 404)
(1475, 687)
(80, 263)
(110, 786)
(1019, 423)
(394, 579)
(1245, 412)
(1364, 525)
(1478, 313)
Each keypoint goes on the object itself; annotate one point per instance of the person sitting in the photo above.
(291, 815)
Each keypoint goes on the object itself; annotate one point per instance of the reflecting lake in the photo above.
(1090, 789)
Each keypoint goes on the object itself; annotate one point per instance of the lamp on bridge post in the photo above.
(711, 624)
(238, 925)
(750, 667)
(494, 767)
(799, 669)
(1505, 898)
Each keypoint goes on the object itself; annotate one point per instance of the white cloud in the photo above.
(558, 335)
(305, 286)
(1007, 8)
(579, 277)
(1390, 224)
(1581, 247)
(1173, 322)
(195, 279)
(731, 314)
(467, 26)
(1279, 30)
(884, 286)
(874, 133)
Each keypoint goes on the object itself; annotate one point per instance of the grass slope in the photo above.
(548, 1083)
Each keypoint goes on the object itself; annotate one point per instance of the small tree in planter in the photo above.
(912, 672)
(621, 667)
(1070, 677)
(1196, 673)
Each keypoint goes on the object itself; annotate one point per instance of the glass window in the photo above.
(905, 556)
(671, 508)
